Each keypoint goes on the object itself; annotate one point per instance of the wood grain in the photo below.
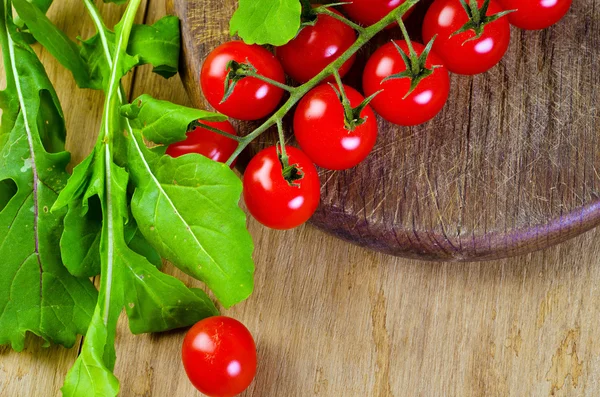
(332, 319)
(509, 167)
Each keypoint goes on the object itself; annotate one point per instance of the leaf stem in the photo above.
(363, 38)
(277, 84)
(217, 131)
(325, 10)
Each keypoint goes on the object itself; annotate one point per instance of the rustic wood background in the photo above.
(509, 166)
(331, 319)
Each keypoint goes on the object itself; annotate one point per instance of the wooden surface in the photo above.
(332, 319)
(509, 167)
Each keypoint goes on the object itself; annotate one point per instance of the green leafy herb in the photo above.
(164, 122)
(37, 293)
(158, 45)
(272, 22)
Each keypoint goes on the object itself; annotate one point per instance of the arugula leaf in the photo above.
(187, 208)
(158, 45)
(154, 301)
(274, 22)
(37, 293)
(164, 122)
(55, 41)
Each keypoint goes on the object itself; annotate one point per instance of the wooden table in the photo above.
(331, 319)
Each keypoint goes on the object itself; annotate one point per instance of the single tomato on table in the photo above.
(219, 356)
(323, 134)
(281, 202)
(206, 142)
(315, 47)
(252, 99)
(536, 14)
(469, 52)
(369, 12)
(393, 103)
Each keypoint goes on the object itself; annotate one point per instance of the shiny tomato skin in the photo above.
(271, 199)
(369, 12)
(319, 129)
(460, 56)
(207, 143)
(252, 99)
(536, 14)
(423, 104)
(315, 47)
(219, 356)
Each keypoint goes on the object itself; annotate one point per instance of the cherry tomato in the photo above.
(219, 356)
(320, 131)
(316, 47)
(536, 14)
(423, 104)
(207, 143)
(251, 99)
(369, 12)
(271, 199)
(460, 56)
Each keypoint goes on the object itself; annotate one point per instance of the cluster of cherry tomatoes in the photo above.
(405, 82)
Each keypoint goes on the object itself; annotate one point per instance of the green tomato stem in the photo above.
(341, 18)
(218, 131)
(363, 38)
(285, 160)
(284, 87)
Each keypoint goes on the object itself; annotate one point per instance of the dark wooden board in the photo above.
(512, 164)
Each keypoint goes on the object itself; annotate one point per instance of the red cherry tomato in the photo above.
(369, 12)
(423, 104)
(319, 129)
(271, 199)
(316, 47)
(460, 56)
(207, 143)
(251, 99)
(219, 356)
(536, 14)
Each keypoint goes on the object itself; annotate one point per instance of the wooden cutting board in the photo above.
(512, 164)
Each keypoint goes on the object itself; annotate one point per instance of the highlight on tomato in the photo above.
(536, 14)
(332, 135)
(410, 96)
(281, 197)
(315, 47)
(470, 40)
(219, 356)
(249, 97)
(369, 12)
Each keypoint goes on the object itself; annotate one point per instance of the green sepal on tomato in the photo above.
(473, 51)
(275, 201)
(315, 47)
(321, 128)
(251, 99)
(401, 102)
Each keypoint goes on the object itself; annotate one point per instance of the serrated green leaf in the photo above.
(158, 45)
(164, 122)
(274, 22)
(37, 294)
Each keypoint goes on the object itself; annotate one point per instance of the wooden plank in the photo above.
(331, 319)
